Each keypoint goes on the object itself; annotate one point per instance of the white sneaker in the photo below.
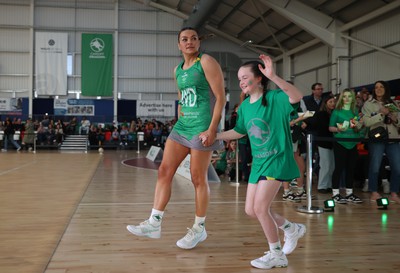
(270, 260)
(365, 188)
(145, 229)
(291, 239)
(192, 238)
(385, 186)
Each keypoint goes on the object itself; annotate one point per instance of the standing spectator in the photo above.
(71, 127)
(93, 141)
(219, 162)
(156, 132)
(313, 102)
(232, 119)
(231, 161)
(29, 135)
(115, 136)
(344, 123)
(327, 158)
(376, 114)
(123, 134)
(59, 134)
(201, 100)
(9, 132)
(85, 126)
(264, 116)
(100, 135)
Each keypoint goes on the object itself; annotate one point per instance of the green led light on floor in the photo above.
(329, 205)
(382, 203)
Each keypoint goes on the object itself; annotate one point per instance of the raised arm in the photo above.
(294, 94)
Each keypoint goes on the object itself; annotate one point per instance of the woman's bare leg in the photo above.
(174, 154)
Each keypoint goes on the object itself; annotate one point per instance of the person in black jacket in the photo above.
(9, 132)
(327, 159)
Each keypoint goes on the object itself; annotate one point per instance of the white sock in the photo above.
(288, 227)
(199, 223)
(286, 190)
(275, 248)
(156, 217)
(335, 191)
(349, 191)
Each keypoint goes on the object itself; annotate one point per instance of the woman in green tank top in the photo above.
(201, 100)
(264, 116)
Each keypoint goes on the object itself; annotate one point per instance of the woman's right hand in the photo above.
(384, 111)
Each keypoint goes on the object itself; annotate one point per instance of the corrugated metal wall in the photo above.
(147, 47)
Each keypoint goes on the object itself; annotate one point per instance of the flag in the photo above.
(97, 65)
(51, 63)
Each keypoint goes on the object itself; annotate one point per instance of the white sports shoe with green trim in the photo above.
(192, 238)
(145, 229)
(270, 260)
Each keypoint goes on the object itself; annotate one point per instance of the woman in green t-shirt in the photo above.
(264, 116)
(345, 123)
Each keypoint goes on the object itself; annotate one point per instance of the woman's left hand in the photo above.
(268, 71)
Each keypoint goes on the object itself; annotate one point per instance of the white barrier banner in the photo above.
(155, 108)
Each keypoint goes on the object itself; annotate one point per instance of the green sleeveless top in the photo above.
(197, 101)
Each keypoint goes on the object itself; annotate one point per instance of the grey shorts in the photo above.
(195, 142)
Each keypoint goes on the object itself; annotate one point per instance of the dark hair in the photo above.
(186, 28)
(315, 84)
(257, 73)
(386, 97)
(325, 101)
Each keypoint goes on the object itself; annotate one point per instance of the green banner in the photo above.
(97, 64)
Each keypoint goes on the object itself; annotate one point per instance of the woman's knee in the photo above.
(250, 212)
(166, 171)
(198, 178)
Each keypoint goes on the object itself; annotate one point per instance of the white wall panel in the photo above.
(168, 22)
(166, 65)
(167, 44)
(137, 44)
(95, 19)
(63, 18)
(15, 40)
(312, 66)
(138, 85)
(10, 63)
(137, 20)
(138, 67)
(14, 83)
(14, 15)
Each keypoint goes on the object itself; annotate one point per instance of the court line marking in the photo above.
(17, 168)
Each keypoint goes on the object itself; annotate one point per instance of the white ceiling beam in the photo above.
(314, 22)
(368, 17)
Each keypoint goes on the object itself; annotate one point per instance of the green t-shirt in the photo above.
(197, 101)
(339, 116)
(268, 130)
(221, 163)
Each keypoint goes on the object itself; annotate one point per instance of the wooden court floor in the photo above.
(67, 212)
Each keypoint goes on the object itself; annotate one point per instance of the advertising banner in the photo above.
(73, 107)
(51, 63)
(97, 65)
(155, 108)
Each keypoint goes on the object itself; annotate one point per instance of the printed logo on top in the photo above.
(259, 131)
(97, 46)
(50, 47)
